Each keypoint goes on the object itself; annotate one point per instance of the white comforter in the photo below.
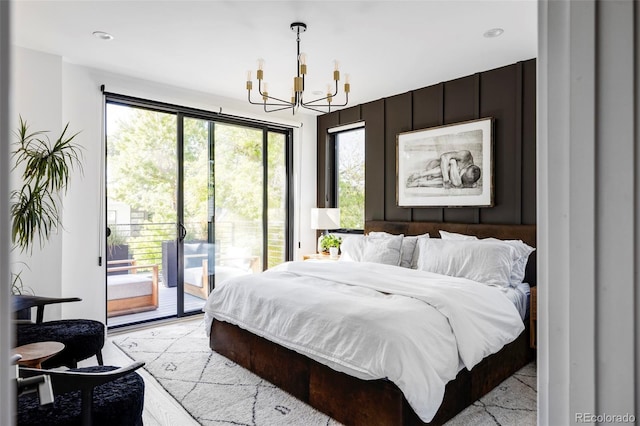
(373, 321)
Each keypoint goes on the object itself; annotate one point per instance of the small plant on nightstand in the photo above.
(329, 241)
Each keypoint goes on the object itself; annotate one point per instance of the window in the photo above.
(349, 177)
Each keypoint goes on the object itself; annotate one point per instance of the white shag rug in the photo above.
(216, 391)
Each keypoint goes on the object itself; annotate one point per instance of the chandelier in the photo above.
(272, 104)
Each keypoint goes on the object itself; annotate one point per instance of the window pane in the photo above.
(277, 199)
(350, 160)
(238, 195)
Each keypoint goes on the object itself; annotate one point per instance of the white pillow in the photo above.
(352, 248)
(453, 236)
(486, 262)
(416, 249)
(409, 257)
(522, 253)
(383, 249)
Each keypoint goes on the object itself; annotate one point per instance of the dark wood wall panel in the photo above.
(502, 106)
(529, 143)
(428, 112)
(324, 123)
(508, 94)
(397, 120)
(461, 99)
(350, 115)
(373, 116)
(461, 104)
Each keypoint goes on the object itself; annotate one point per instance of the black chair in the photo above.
(100, 395)
(82, 338)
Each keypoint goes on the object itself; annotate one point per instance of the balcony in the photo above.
(146, 254)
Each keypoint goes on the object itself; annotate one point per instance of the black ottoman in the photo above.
(119, 402)
(82, 339)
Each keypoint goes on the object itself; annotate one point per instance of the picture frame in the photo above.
(466, 151)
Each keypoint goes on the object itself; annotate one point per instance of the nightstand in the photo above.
(319, 256)
(533, 316)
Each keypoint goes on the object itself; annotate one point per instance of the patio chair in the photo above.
(132, 292)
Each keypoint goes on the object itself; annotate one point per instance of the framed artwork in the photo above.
(446, 166)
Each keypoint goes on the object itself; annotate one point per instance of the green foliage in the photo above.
(330, 240)
(17, 286)
(350, 155)
(47, 167)
(142, 169)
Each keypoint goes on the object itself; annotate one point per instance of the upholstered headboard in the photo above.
(526, 233)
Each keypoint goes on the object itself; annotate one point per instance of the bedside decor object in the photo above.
(325, 219)
(446, 166)
(297, 91)
(331, 243)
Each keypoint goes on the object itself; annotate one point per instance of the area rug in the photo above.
(216, 391)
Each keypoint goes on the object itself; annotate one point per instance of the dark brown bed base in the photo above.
(354, 401)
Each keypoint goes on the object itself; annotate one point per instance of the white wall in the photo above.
(73, 95)
(7, 388)
(37, 90)
(588, 211)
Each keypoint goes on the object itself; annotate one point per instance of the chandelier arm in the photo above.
(313, 102)
(277, 109)
(317, 110)
(346, 101)
(336, 92)
(283, 103)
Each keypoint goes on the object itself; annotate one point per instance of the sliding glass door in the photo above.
(251, 203)
(196, 231)
(195, 199)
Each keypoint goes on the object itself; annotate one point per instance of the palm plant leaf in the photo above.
(47, 168)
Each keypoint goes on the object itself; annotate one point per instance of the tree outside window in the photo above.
(349, 154)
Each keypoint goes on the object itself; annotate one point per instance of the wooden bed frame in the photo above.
(354, 401)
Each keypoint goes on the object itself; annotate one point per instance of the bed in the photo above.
(353, 398)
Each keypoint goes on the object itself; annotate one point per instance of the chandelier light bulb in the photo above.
(336, 65)
(303, 59)
(249, 75)
(260, 64)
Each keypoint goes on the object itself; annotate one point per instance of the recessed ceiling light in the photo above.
(493, 32)
(102, 35)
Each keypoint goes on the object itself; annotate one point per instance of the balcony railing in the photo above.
(143, 242)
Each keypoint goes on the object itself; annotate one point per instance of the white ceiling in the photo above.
(387, 47)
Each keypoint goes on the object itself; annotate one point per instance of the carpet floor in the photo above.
(216, 391)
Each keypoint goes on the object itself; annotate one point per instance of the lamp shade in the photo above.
(325, 218)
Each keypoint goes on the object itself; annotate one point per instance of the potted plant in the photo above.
(330, 243)
(35, 206)
(117, 247)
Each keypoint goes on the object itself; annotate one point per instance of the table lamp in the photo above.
(325, 219)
